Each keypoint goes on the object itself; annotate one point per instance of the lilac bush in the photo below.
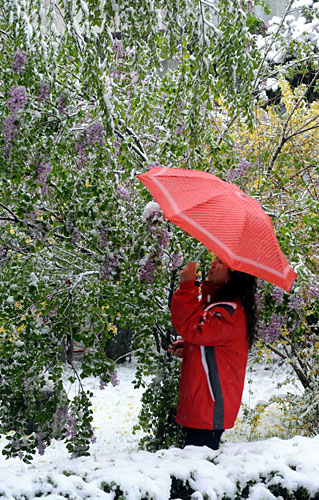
(82, 244)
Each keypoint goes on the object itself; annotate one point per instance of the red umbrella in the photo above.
(227, 221)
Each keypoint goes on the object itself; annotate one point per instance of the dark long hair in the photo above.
(242, 286)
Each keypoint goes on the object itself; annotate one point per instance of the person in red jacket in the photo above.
(216, 332)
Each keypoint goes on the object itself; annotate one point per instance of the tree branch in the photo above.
(15, 217)
(283, 138)
(210, 6)
(132, 146)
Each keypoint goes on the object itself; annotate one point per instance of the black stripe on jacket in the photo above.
(213, 376)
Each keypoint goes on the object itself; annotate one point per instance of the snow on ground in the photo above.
(115, 458)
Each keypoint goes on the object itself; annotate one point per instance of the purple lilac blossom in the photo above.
(10, 128)
(75, 236)
(181, 106)
(69, 222)
(114, 378)
(271, 332)
(44, 91)
(249, 5)
(147, 271)
(102, 384)
(314, 291)
(29, 217)
(122, 192)
(133, 78)
(243, 166)
(53, 312)
(295, 303)
(61, 414)
(177, 261)
(259, 299)
(117, 143)
(278, 295)
(71, 426)
(41, 445)
(18, 99)
(44, 169)
(103, 234)
(118, 48)
(3, 254)
(95, 133)
(19, 60)
(265, 27)
(109, 267)
(180, 129)
(80, 148)
(164, 238)
(151, 210)
(239, 171)
(61, 103)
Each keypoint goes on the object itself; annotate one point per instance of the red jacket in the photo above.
(214, 359)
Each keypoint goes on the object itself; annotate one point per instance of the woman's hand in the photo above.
(177, 348)
(188, 273)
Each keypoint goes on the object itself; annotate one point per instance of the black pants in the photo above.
(203, 437)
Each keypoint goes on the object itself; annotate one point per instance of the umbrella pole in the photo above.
(197, 256)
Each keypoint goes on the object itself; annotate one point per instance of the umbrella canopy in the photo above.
(227, 221)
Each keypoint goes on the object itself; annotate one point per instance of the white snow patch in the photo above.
(150, 208)
(115, 457)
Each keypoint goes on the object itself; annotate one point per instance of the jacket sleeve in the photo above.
(215, 327)
(208, 291)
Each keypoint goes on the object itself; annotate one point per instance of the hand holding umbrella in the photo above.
(188, 273)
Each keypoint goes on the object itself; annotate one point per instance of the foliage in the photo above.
(290, 48)
(159, 403)
(281, 171)
(93, 95)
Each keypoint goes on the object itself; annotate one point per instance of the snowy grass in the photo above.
(257, 470)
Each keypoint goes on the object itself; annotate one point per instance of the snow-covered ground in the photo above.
(115, 458)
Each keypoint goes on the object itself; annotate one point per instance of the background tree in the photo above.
(91, 96)
(86, 105)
